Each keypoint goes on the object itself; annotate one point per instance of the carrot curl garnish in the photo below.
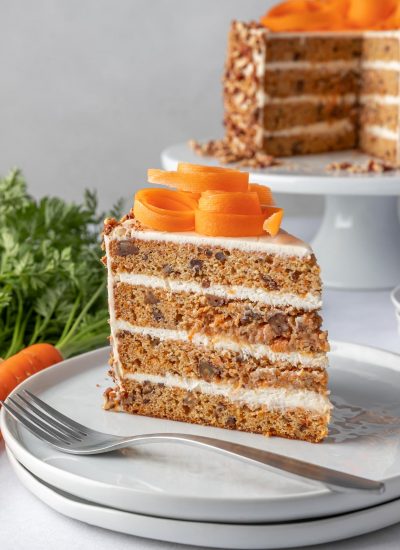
(333, 15)
(217, 224)
(264, 194)
(165, 210)
(211, 200)
(272, 223)
(225, 180)
(230, 203)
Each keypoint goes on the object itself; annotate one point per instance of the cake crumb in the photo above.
(371, 166)
(221, 150)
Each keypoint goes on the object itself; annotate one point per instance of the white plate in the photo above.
(184, 483)
(214, 535)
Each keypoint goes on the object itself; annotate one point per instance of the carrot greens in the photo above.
(52, 283)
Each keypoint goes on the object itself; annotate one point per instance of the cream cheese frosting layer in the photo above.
(381, 132)
(335, 65)
(283, 244)
(347, 99)
(253, 350)
(318, 34)
(381, 65)
(332, 66)
(393, 33)
(308, 302)
(344, 125)
(328, 66)
(381, 99)
(271, 398)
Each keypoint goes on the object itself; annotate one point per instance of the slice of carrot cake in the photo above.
(211, 328)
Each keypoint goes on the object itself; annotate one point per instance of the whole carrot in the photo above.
(29, 361)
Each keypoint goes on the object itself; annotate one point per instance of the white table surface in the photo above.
(28, 524)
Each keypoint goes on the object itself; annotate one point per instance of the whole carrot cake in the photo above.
(214, 310)
(312, 77)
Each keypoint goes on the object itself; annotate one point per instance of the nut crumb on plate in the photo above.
(371, 166)
(221, 150)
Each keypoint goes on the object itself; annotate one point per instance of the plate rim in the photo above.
(30, 479)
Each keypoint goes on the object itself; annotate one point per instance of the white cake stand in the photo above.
(358, 242)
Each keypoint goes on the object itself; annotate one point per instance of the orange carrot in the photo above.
(217, 224)
(189, 168)
(311, 15)
(194, 196)
(393, 22)
(264, 193)
(29, 361)
(197, 181)
(366, 13)
(164, 209)
(293, 6)
(229, 214)
(273, 222)
(230, 203)
(312, 21)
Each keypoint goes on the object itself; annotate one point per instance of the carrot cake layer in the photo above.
(296, 112)
(279, 265)
(284, 330)
(141, 352)
(274, 412)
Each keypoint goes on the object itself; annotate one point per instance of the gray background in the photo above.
(91, 91)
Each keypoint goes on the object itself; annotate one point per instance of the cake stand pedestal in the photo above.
(358, 242)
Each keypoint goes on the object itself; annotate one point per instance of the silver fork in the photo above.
(69, 436)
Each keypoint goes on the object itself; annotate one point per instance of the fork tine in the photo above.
(49, 419)
(29, 426)
(37, 422)
(59, 416)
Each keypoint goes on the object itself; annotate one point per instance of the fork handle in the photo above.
(333, 479)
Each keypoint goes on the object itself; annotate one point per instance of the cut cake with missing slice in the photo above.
(217, 331)
(296, 93)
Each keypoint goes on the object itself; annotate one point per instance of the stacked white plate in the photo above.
(180, 494)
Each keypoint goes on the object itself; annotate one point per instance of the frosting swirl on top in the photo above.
(333, 15)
